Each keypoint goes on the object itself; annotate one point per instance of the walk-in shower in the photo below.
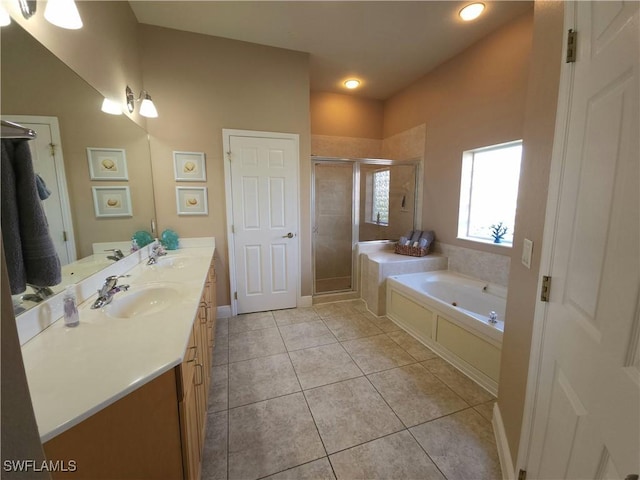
(357, 200)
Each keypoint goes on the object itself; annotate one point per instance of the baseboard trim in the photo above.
(223, 311)
(504, 454)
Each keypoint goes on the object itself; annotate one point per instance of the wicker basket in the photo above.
(412, 251)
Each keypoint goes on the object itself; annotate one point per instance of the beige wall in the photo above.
(105, 52)
(475, 99)
(538, 132)
(35, 82)
(339, 115)
(203, 84)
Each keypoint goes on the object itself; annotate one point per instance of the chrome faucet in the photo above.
(117, 254)
(40, 294)
(157, 250)
(108, 290)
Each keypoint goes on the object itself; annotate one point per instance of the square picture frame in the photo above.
(107, 164)
(192, 201)
(189, 166)
(112, 202)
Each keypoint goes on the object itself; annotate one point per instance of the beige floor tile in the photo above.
(383, 323)
(349, 413)
(254, 344)
(326, 310)
(396, 456)
(322, 365)
(221, 350)
(373, 354)
(316, 470)
(486, 410)
(219, 389)
(271, 436)
(251, 321)
(462, 445)
(295, 315)
(214, 454)
(350, 326)
(304, 335)
(260, 379)
(222, 326)
(413, 347)
(415, 394)
(469, 390)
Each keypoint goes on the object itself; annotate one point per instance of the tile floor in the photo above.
(332, 392)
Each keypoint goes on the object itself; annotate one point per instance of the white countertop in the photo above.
(75, 372)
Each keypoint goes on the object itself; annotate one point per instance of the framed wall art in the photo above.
(112, 201)
(192, 200)
(189, 166)
(107, 163)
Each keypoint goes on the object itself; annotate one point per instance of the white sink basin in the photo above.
(181, 261)
(143, 301)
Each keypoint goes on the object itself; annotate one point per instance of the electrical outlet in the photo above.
(527, 251)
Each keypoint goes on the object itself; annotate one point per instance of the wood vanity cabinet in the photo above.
(158, 430)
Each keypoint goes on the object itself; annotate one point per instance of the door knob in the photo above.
(288, 235)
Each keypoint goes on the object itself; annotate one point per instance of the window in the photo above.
(380, 197)
(489, 192)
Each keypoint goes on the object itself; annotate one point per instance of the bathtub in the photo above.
(449, 313)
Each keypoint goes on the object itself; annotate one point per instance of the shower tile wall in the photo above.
(407, 145)
(334, 201)
(345, 147)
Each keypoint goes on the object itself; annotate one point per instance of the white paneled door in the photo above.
(586, 421)
(264, 189)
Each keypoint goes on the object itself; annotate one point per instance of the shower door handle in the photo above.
(288, 235)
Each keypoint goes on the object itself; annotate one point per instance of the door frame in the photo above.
(548, 245)
(227, 133)
(61, 176)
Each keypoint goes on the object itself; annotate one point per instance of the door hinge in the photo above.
(233, 229)
(522, 475)
(235, 295)
(64, 236)
(546, 288)
(52, 149)
(572, 45)
(229, 155)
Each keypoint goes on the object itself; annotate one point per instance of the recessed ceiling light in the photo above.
(351, 84)
(471, 11)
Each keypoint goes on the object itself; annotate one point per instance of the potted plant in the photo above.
(498, 231)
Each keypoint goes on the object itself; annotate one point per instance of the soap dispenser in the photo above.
(69, 306)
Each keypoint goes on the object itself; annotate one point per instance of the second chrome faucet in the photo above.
(108, 290)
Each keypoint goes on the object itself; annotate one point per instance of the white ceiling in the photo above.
(386, 44)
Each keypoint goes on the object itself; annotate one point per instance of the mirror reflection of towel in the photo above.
(30, 253)
(43, 191)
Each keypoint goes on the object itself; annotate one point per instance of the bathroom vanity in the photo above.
(124, 394)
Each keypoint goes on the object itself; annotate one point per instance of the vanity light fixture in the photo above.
(5, 19)
(147, 108)
(63, 13)
(471, 11)
(111, 107)
(352, 83)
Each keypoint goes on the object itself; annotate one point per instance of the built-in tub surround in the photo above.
(376, 267)
(450, 313)
(490, 267)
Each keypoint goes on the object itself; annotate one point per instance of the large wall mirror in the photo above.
(38, 88)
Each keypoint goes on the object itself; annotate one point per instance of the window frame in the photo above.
(466, 189)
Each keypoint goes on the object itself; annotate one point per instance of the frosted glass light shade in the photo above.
(63, 13)
(111, 107)
(5, 19)
(471, 11)
(147, 108)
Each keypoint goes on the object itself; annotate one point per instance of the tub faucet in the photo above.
(108, 290)
(493, 317)
(117, 254)
(40, 294)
